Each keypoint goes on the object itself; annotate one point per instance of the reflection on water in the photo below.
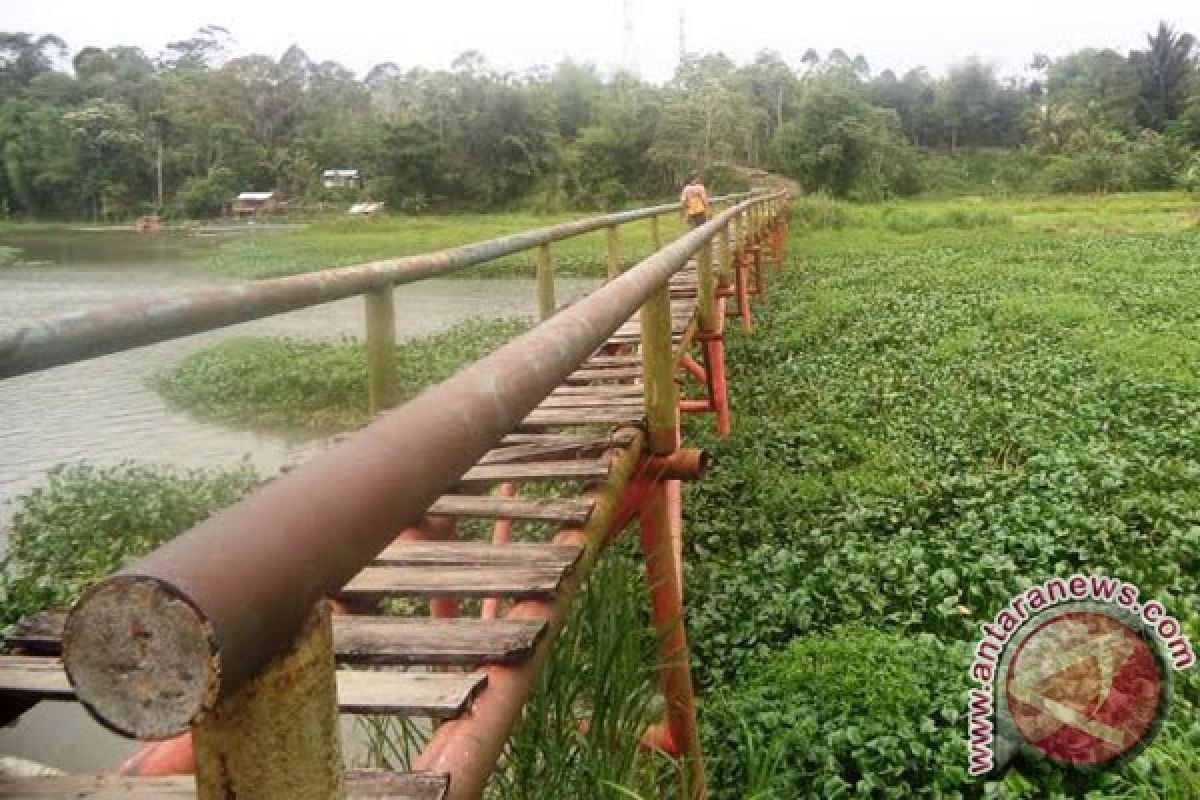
(102, 410)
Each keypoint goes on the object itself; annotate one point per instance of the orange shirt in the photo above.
(694, 199)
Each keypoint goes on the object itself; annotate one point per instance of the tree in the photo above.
(840, 143)
(23, 58)
(1164, 67)
(1100, 85)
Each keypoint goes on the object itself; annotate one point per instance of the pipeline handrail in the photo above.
(123, 326)
(208, 610)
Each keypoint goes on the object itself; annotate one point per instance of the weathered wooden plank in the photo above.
(590, 401)
(614, 374)
(634, 389)
(484, 506)
(35, 676)
(579, 470)
(454, 581)
(541, 452)
(360, 785)
(611, 361)
(582, 416)
(619, 438)
(465, 554)
(440, 695)
(395, 641)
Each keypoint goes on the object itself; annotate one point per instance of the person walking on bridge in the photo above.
(694, 200)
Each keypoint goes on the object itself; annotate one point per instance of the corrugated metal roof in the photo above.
(255, 196)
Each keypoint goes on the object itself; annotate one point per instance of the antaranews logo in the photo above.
(1077, 670)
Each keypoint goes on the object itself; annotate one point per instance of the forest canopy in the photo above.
(114, 132)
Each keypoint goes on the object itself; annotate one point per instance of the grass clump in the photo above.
(87, 521)
(292, 385)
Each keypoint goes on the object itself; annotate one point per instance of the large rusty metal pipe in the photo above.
(123, 326)
(157, 644)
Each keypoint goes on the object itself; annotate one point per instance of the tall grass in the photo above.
(579, 732)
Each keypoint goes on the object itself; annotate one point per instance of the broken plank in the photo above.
(565, 511)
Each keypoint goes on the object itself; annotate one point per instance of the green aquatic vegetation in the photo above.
(86, 521)
(310, 387)
(927, 423)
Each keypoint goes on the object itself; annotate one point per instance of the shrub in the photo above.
(88, 521)
(207, 196)
(1088, 171)
(1189, 177)
(820, 211)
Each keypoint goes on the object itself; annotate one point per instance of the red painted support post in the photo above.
(667, 615)
(663, 568)
(760, 286)
(501, 533)
(742, 291)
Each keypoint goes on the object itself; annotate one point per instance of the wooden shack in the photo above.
(254, 204)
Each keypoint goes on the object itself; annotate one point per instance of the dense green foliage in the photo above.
(85, 522)
(928, 423)
(277, 383)
(100, 140)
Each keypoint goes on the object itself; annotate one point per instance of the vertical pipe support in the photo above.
(381, 349)
(725, 253)
(707, 281)
(614, 251)
(666, 611)
(277, 736)
(655, 234)
(545, 282)
(658, 365)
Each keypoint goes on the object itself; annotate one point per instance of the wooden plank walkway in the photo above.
(565, 440)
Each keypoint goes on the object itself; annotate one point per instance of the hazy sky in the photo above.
(514, 34)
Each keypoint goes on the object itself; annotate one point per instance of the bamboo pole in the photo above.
(545, 282)
(277, 736)
(614, 252)
(707, 308)
(381, 349)
(658, 365)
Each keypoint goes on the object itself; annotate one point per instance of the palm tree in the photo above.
(1164, 67)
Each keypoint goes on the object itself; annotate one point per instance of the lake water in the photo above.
(102, 410)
